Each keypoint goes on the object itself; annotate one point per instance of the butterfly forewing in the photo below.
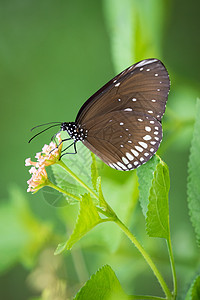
(124, 140)
(144, 87)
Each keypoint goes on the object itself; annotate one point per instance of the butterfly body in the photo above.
(121, 122)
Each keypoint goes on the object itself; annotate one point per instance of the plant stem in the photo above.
(146, 257)
(169, 245)
(52, 185)
(62, 164)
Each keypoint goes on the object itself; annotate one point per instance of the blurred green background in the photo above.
(53, 56)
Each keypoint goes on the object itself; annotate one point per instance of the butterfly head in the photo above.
(74, 130)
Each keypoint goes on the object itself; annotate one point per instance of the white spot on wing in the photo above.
(117, 167)
(121, 165)
(130, 166)
(117, 84)
(134, 152)
(130, 157)
(147, 137)
(128, 109)
(130, 68)
(144, 145)
(140, 149)
(134, 99)
(125, 160)
(145, 62)
(147, 128)
(121, 123)
(150, 111)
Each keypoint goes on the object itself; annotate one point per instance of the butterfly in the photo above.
(121, 122)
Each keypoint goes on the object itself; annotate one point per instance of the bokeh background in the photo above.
(53, 56)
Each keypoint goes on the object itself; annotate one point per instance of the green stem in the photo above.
(62, 164)
(52, 185)
(146, 257)
(169, 244)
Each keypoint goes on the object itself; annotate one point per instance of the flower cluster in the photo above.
(49, 155)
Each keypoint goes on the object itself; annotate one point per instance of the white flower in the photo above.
(38, 180)
(49, 155)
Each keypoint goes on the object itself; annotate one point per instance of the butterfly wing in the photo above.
(143, 87)
(124, 140)
(122, 119)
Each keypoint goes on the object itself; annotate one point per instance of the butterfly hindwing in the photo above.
(124, 140)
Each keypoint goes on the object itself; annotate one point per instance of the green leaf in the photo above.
(193, 186)
(80, 165)
(64, 181)
(194, 291)
(94, 171)
(102, 285)
(121, 198)
(157, 221)
(55, 198)
(121, 31)
(88, 218)
(135, 29)
(145, 176)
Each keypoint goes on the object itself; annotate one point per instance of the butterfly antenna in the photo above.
(46, 124)
(42, 130)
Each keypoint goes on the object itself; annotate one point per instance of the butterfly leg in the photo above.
(60, 144)
(64, 141)
(75, 150)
